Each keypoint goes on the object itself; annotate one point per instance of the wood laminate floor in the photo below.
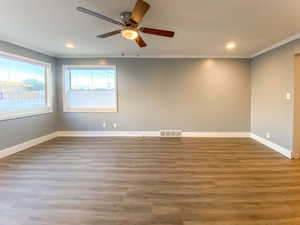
(149, 181)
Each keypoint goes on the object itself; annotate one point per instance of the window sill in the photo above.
(10, 116)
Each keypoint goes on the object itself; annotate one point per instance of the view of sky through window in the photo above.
(92, 79)
(90, 88)
(22, 85)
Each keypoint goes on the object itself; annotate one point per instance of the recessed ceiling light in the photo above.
(230, 45)
(70, 45)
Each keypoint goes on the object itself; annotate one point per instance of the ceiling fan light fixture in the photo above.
(130, 33)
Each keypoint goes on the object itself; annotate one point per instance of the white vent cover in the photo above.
(170, 133)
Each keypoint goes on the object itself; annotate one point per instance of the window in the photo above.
(25, 87)
(90, 89)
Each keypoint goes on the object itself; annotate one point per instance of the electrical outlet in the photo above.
(268, 135)
(115, 125)
(104, 125)
(288, 96)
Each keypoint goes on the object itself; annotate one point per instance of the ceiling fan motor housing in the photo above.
(125, 17)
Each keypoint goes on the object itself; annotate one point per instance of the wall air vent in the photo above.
(170, 133)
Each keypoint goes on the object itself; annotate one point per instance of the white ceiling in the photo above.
(202, 27)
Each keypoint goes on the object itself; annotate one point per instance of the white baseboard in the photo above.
(148, 134)
(108, 133)
(20, 147)
(217, 134)
(268, 143)
(287, 153)
(27, 144)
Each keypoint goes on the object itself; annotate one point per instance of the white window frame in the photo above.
(49, 89)
(66, 108)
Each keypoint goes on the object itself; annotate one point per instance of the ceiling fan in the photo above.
(130, 23)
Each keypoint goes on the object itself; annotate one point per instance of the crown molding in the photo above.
(29, 47)
(154, 56)
(277, 45)
(151, 56)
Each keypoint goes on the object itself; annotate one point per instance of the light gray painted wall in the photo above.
(16, 131)
(189, 94)
(272, 76)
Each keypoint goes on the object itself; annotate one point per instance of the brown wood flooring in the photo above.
(149, 181)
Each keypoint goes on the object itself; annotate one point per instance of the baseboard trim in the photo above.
(217, 134)
(283, 151)
(108, 133)
(28, 144)
(20, 147)
(25, 145)
(148, 134)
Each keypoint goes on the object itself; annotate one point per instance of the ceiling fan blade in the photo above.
(164, 33)
(109, 34)
(140, 41)
(98, 15)
(139, 11)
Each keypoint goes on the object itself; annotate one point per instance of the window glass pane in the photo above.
(92, 79)
(90, 88)
(22, 86)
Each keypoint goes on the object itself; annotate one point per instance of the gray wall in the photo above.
(272, 76)
(16, 131)
(188, 94)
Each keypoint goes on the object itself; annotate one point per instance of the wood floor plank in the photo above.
(149, 181)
